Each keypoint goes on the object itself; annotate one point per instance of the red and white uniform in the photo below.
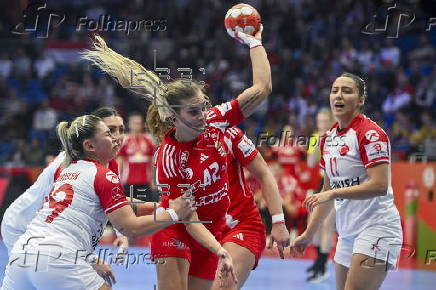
(361, 224)
(21, 212)
(137, 154)
(244, 225)
(67, 228)
(289, 156)
(199, 166)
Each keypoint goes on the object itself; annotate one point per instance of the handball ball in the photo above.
(244, 18)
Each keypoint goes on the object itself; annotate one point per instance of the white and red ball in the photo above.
(243, 17)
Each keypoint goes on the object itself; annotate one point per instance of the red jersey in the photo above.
(241, 152)
(289, 156)
(199, 166)
(137, 153)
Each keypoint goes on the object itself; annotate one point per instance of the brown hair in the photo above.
(72, 134)
(360, 83)
(145, 83)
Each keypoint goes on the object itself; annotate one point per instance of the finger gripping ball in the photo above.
(244, 18)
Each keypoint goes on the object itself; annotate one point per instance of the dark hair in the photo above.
(72, 134)
(360, 83)
(104, 112)
(135, 113)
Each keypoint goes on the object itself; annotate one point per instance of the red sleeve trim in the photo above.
(250, 158)
(238, 117)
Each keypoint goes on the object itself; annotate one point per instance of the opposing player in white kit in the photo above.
(52, 253)
(356, 160)
(21, 212)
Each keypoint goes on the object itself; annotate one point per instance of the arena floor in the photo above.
(272, 273)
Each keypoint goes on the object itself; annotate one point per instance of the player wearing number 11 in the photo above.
(357, 182)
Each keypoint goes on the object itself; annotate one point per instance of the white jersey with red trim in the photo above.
(346, 154)
(74, 214)
(21, 212)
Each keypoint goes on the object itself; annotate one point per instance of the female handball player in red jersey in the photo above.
(191, 158)
(244, 234)
(357, 182)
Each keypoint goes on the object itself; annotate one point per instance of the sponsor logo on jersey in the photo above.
(345, 182)
(344, 150)
(112, 177)
(116, 193)
(184, 157)
(203, 157)
(176, 243)
(372, 135)
(377, 150)
(68, 176)
(246, 146)
(189, 173)
(239, 236)
(211, 198)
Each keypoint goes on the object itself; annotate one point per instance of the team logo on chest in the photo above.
(344, 150)
(203, 157)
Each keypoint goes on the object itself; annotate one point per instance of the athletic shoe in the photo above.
(318, 277)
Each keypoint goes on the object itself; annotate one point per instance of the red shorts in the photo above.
(171, 243)
(250, 234)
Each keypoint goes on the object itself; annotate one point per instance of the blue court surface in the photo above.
(271, 274)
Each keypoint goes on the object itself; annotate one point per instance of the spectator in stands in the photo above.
(135, 160)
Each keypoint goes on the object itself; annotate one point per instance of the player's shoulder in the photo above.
(368, 130)
(234, 133)
(220, 111)
(103, 174)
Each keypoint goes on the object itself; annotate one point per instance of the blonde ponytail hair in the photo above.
(72, 134)
(145, 83)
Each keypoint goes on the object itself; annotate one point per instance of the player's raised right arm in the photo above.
(251, 98)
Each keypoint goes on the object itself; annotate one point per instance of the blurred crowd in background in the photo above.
(309, 42)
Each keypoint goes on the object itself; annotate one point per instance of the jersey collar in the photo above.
(352, 124)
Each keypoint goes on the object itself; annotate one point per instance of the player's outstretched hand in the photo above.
(251, 41)
(183, 206)
(105, 271)
(226, 272)
(299, 245)
(280, 235)
(312, 201)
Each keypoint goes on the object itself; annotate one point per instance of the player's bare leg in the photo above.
(172, 273)
(365, 273)
(243, 263)
(195, 283)
(341, 276)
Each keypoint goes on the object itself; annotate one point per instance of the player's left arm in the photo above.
(376, 185)
(270, 192)
(205, 238)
